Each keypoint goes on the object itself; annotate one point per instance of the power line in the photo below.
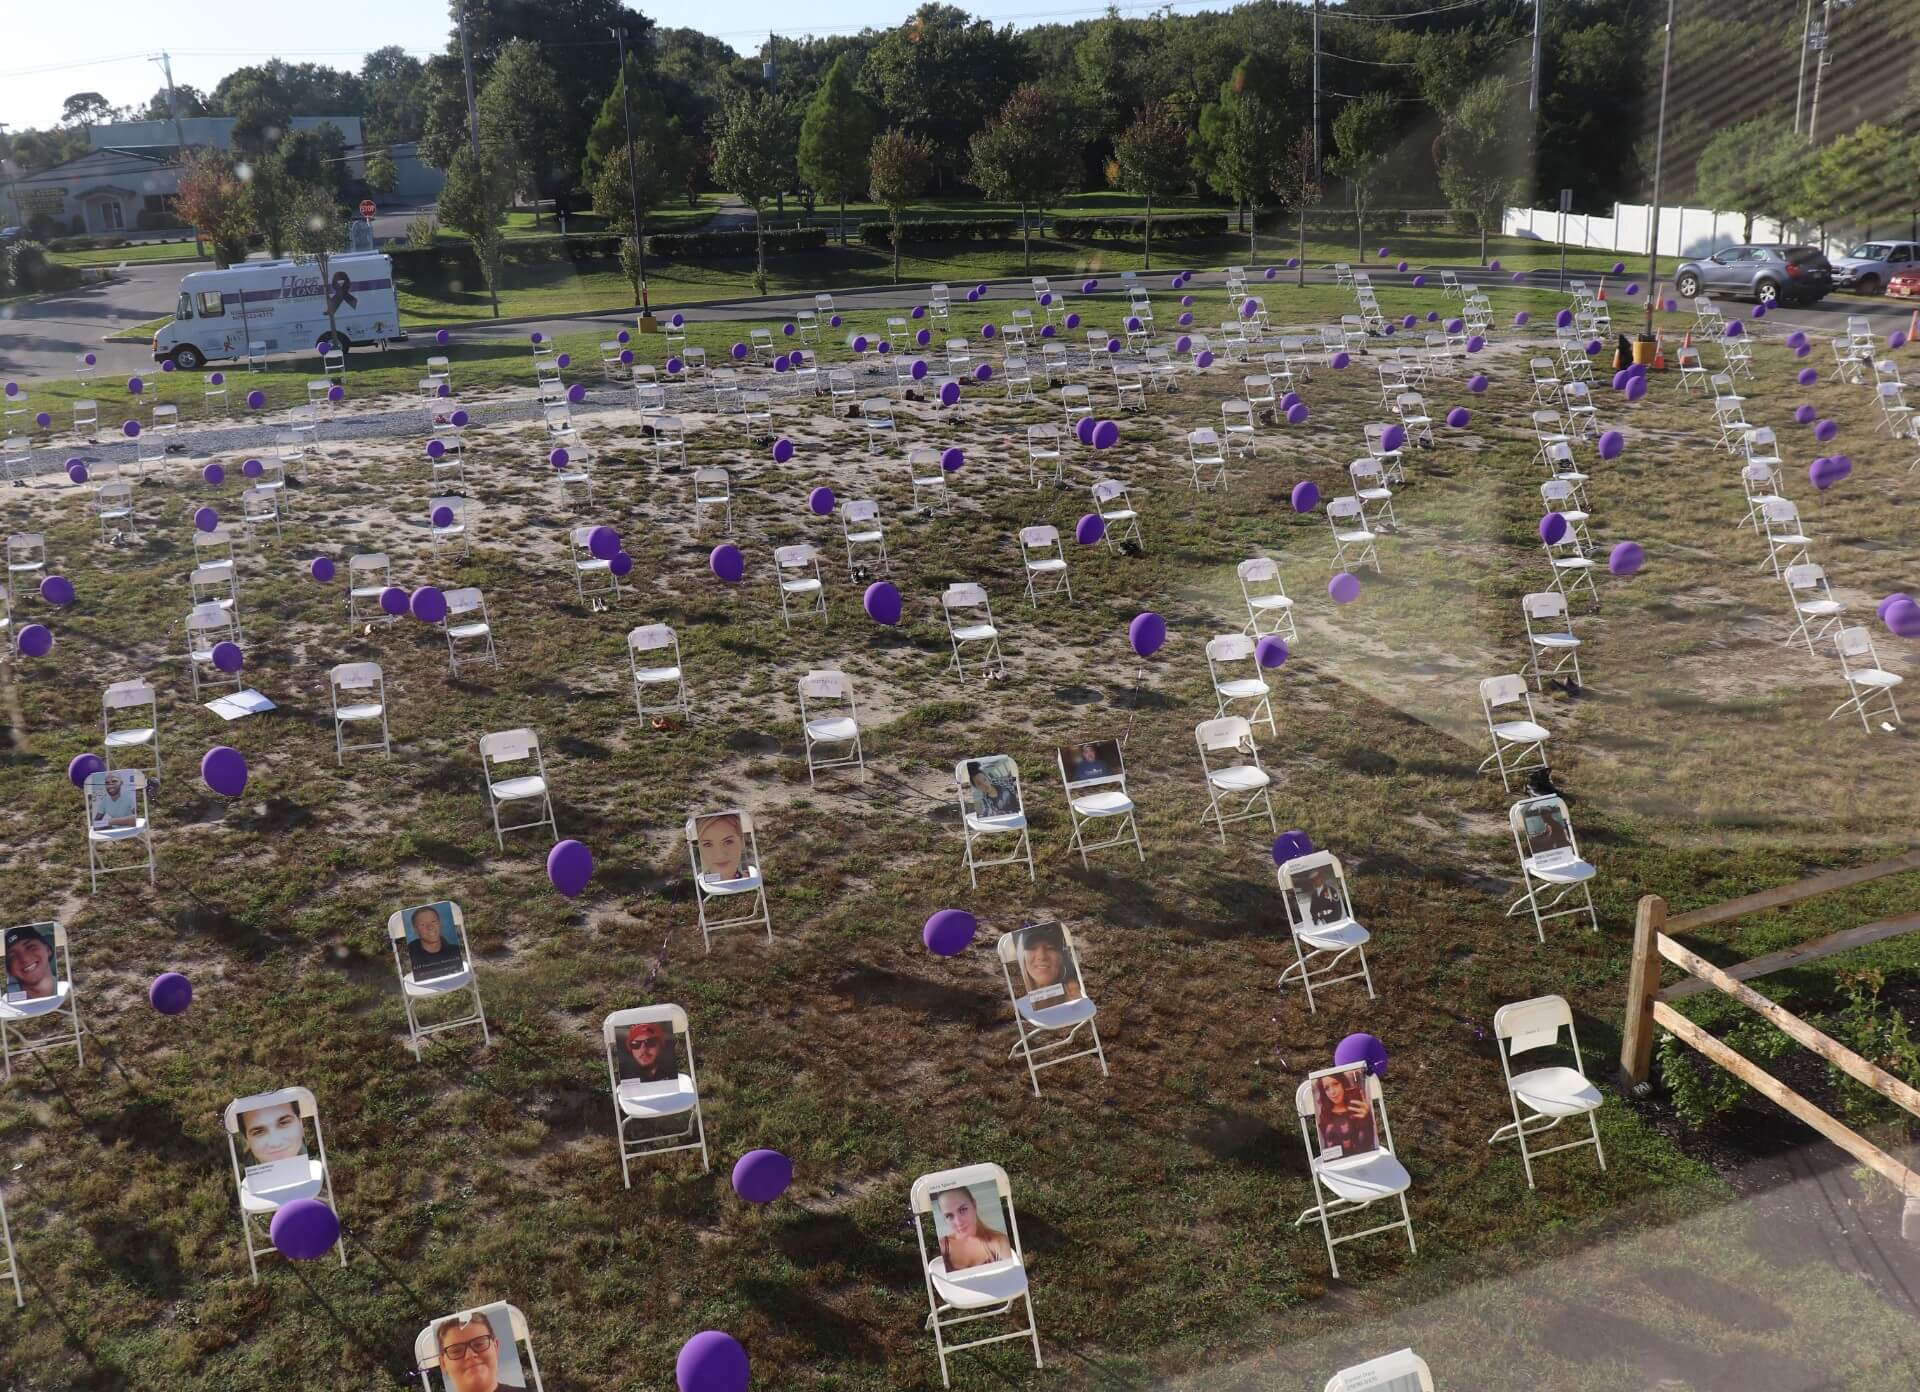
(1411, 14)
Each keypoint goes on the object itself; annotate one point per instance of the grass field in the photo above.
(1157, 1205)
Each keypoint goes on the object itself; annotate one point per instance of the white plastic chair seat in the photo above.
(1353, 538)
(366, 591)
(439, 985)
(513, 789)
(1559, 867)
(1520, 732)
(1556, 1092)
(1792, 539)
(366, 710)
(1374, 495)
(127, 739)
(1576, 562)
(1106, 803)
(1364, 1178)
(1333, 937)
(469, 630)
(1873, 676)
(662, 1099)
(1242, 688)
(1270, 601)
(1007, 822)
(1051, 563)
(29, 1008)
(1813, 609)
(833, 728)
(864, 538)
(978, 1286)
(976, 633)
(648, 676)
(139, 828)
(1574, 516)
(586, 567)
(1239, 778)
(267, 1200)
(1555, 640)
(1061, 1016)
(745, 884)
(807, 586)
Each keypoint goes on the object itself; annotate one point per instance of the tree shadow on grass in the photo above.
(792, 1309)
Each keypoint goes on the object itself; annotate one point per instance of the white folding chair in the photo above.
(1557, 495)
(841, 389)
(259, 510)
(16, 458)
(1550, 862)
(1370, 487)
(1816, 613)
(368, 577)
(876, 415)
(454, 534)
(1693, 372)
(26, 562)
(1347, 1182)
(510, 748)
(647, 648)
(1551, 1094)
(651, 1073)
(989, 1289)
(1865, 678)
(1895, 414)
(1206, 461)
(1347, 519)
(214, 391)
(1045, 563)
(669, 440)
(1404, 1371)
(363, 688)
(86, 418)
(1075, 401)
(865, 538)
(41, 963)
(1238, 782)
(992, 807)
(1411, 407)
(1550, 638)
(1786, 543)
(266, 1185)
(1236, 678)
(1050, 1001)
(130, 720)
(447, 980)
(830, 716)
(926, 476)
(113, 507)
(1043, 453)
(969, 615)
(208, 626)
(1120, 521)
(1549, 430)
(713, 488)
(1519, 744)
(1270, 606)
(1546, 381)
(116, 813)
(1130, 385)
(1236, 423)
(1099, 797)
(1019, 378)
(468, 628)
(796, 571)
(1313, 892)
(728, 869)
(1571, 569)
(587, 566)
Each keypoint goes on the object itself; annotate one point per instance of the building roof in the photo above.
(100, 162)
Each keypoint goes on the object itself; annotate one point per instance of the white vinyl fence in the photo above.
(1683, 231)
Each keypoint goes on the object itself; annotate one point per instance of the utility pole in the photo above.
(1533, 83)
(1824, 49)
(179, 136)
(1316, 88)
(473, 132)
(1659, 149)
(633, 179)
(1800, 88)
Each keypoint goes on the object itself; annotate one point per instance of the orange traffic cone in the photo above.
(1913, 330)
(1686, 339)
(1602, 295)
(1659, 353)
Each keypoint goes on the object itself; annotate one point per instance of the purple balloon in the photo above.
(443, 391)
(859, 343)
(1803, 350)
(973, 296)
(1593, 346)
(564, 360)
(948, 932)
(82, 766)
(980, 289)
(1090, 528)
(1458, 417)
(1362, 1048)
(1113, 345)
(711, 1362)
(919, 369)
(1292, 262)
(13, 389)
(1626, 558)
(1828, 470)
(1408, 321)
(1825, 431)
(1398, 266)
(782, 450)
(1269, 273)
(1046, 331)
(1344, 588)
(1083, 430)
(435, 448)
(256, 399)
(1620, 380)
(216, 379)
(1807, 376)
(1553, 528)
(227, 657)
(621, 564)
(213, 474)
(321, 568)
(1670, 305)
(1880, 609)
(1046, 298)
(925, 336)
(602, 543)
(427, 604)
(834, 322)
(761, 1176)
(782, 363)
(1903, 619)
(674, 367)
(1297, 413)
(1270, 651)
(393, 601)
(576, 393)
(336, 393)
(1476, 343)
(43, 420)
(679, 321)
(443, 515)
(1291, 845)
(1393, 437)
(1146, 633)
(983, 372)
(130, 429)
(1735, 328)
(1419, 281)
(1519, 277)
(1520, 319)
(949, 393)
(1185, 320)
(726, 562)
(1477, 383)
(1633, 288)
(820, 500)
(1183, 344)
(90, 360)
(882, 602)
(951, 458)
(1133, 324)
(205, 519)
(35, 640)
(558, 458)
(569, 867)
(738, 352)
(1072, 321)
(170, 993)
(1249, 308)
(1897, 340)
(1455, 326)
(442, 337)
(539, 338)
(883, 347)
(1340, 361)
(1186, 302)
(988, 331)
(135, 386)
(1089, 286)
(224, 769)
(304, 1229)
(786, 328)
(1106, 434)
(1636, 387)
(57, 590)
(1383, 253)
(1611, 443)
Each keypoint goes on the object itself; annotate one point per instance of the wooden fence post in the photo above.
(1643, 983)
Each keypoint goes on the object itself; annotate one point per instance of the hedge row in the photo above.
(880, 234)
(1132, 229)
(697, 246)
(457, 257)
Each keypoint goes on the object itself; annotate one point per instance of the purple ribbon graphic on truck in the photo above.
(341, 292)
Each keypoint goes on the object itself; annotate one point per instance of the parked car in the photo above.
(12, 234)
(1905, 285)
(1767, 273)
(1869, 266)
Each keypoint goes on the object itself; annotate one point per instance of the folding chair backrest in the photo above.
(1855, 643)
(1106, 490)
(856, 510)
(794, 557)
(650, 638)
(1303, 1098)
(1532, 1024)
(1781, 513)
(1344, 509)
(1805, 577)
(826, 686)
(620, 1021)
(1041, 538)
(205, 617)
(355, 676)
(1496, 692)
(925, 1187)
(1404, 1371)
(1118, 776)
(464, 601)
(509, 746)
(1230, 647)
(1205, 438)
(299, 1098)
(1547, 604)
(963, 595)
(1258, 571)
(123, 694)
(1226, 732)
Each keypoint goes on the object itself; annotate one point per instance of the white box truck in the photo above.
(263, 307)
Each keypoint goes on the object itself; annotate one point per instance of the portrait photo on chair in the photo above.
(434, 946)
(1091, 759)
(991, 788)
(273, 1135)
(720, 841)
(1544, 825)
(33, 968)
(112, 800)
(1318, 896)
(644, 1053)
(970, 1226)
(1343, 1114)
(1049, 975)
(477, 1351)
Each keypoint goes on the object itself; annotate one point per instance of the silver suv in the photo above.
(1869, 266)
(1758, 271)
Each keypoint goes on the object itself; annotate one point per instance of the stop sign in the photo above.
(366, 207)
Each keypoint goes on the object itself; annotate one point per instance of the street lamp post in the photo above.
(1659, 149)
(633, 178)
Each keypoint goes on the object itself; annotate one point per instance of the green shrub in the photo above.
(916, 230)
(703, 246)
(1173, 227)
(1701, 1089)
(29, 269)
(422, 232)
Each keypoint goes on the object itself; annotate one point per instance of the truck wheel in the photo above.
(1689, 285)
(188, 358)
(344, 343)
(1868, 285)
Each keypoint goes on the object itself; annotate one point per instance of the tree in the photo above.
(1241, 141)
(750, 159)
(835, 138)
(1746, 169)
(395, 84)
(898, 166)
(1482, 152)
(1860, 177)
(1363, 137)
(316, 230)
(85, 109)
(1297, 185)
(1028, 154)
(383, 175)
(216, 203)
(474, 201)
(444, 128)
(190, 100)
(519, 129)
(941, 75)
(1151, 155)
(614, 198)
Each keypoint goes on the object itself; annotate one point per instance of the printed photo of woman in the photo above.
(1048, 973)
(991, 788)
(966, 1237)
(721, 843)
(1342, 1114)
